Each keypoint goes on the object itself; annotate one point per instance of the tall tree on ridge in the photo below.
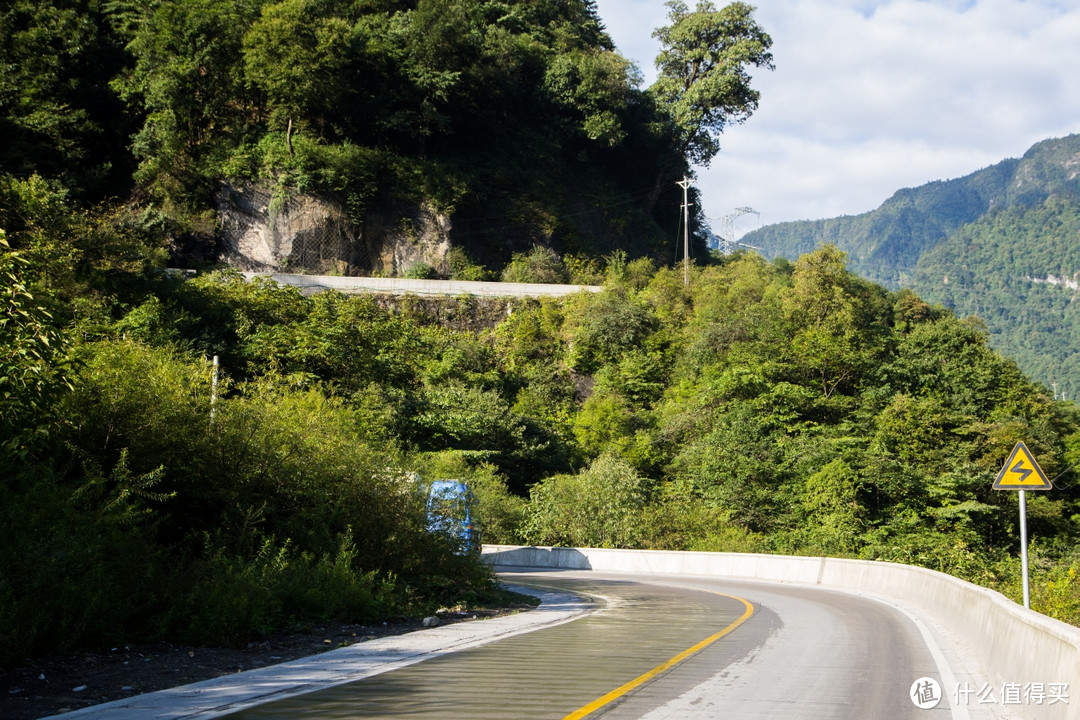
(704, 83)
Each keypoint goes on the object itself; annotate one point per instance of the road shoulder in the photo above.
(230, 693)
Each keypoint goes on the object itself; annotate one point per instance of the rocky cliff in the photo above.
(308, 234)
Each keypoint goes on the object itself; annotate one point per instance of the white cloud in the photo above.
(870, 97)
(630, 24)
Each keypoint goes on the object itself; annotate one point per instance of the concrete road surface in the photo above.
(681, 648)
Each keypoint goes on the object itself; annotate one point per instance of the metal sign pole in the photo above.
(1022, 472)
(1023, 548)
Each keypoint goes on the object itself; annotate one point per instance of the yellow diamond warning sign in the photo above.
(1021, 472)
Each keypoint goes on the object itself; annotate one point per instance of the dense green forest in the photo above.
(518, 120)
(1013, 269)
(787, 407)
(985, 244)
(137, 500)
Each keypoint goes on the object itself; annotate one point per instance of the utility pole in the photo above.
(685, 185)
(213, 387)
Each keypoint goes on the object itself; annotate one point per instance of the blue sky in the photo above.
(870, 97)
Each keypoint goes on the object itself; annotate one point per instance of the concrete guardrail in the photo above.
(406, 286)
(1013, 644)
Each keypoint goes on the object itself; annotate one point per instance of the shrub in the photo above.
(229, 598)
(32, 358)
(78, 564)
(599, 507)
(153, 520)
(421, 270)
(539, 265)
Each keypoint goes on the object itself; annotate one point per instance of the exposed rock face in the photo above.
(393, 242)
(1071, 283)
(308, 234)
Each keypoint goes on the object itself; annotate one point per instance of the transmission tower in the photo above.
(726, 235)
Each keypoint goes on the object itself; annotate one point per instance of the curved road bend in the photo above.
(803, 653)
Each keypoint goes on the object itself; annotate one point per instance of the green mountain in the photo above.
(1000, 243)
(507, 124)
(1017, 269)
(885, 244)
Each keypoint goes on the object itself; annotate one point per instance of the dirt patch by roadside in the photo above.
(61, 683)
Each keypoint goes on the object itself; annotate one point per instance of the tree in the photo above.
(58, 117)
(295, 53)
(835, 317)
(188, 79)
(703, 79)
(593, 88)
(832, 505)
(605, 326)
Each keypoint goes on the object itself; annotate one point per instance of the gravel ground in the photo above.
(62, 683)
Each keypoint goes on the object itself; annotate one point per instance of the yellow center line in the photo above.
(642, 679)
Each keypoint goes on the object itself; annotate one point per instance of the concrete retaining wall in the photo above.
(404, 286)
(1012, 644)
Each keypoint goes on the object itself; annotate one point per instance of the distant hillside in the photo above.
(1002, 243)
(885, 244)
(1018, 270)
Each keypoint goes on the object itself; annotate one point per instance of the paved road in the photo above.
(803, 653)
(309, 284)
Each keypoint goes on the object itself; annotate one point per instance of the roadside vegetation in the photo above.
(765, 407)
(139, 502)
